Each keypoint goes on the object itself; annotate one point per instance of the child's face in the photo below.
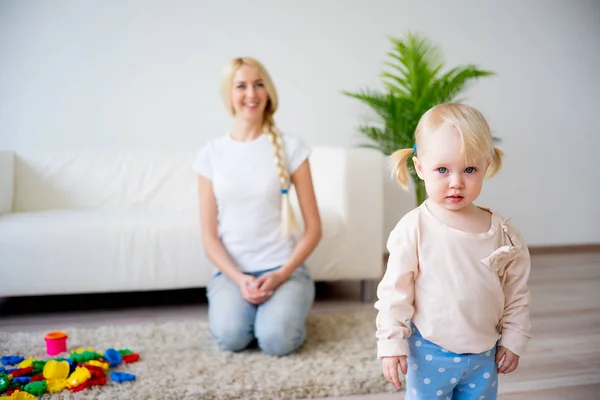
(449, 181)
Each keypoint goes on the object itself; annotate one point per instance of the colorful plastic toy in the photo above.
(36, 388)
(113, 357)
(4, 382)
(20, 395)
(56, 385)
(22, 371)
(122, 376)
(12, 360)
(26, 363)
(84, 368)
(56, 343)
(56, 370)
(84, 357)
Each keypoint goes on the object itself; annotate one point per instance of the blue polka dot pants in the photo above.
(436, 373)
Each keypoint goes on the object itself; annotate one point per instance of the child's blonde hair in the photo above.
(288, 219)
(474, 131)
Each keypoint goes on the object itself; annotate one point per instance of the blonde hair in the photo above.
(288, 218)
(474, 131)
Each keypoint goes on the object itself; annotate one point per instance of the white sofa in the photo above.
(114, 221)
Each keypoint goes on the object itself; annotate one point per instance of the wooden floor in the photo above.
(563, 358)
(562, 361)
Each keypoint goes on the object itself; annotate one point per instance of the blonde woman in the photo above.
(453, 303)
(261, 288)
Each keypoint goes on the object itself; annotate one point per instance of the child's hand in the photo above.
(510, 362)
(390, 369)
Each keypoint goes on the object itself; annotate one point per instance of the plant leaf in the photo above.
(414, 82)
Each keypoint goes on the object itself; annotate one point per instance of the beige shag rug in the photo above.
(179, 360)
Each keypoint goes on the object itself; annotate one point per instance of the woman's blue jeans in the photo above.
(279, 324)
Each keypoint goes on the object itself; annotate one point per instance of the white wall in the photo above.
(146, 73)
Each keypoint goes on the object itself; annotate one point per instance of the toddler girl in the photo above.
(453, 303)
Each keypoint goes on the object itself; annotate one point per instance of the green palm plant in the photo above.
(413, 84)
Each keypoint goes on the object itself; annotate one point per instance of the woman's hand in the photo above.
(270, 281)
(251, 292)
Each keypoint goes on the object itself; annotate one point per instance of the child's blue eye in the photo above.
(442, 170)
(470, 170)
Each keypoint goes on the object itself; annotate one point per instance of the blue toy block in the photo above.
(122, 376)
(12, 360)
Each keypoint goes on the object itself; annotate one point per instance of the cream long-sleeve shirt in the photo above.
(463, 291)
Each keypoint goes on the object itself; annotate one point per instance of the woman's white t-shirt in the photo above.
(248, 195)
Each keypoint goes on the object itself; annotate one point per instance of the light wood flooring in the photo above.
(562, 362)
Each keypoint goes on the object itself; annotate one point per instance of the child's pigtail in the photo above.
(496, 162)
(398, 162)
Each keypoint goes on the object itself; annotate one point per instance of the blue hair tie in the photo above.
(284, 191)
(415, 148)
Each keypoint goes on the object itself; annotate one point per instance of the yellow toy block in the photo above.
(82, 350)
(101, 364)
(56, 385)
(26, 363)
(78, 376)
(18, 395)
(56, 370)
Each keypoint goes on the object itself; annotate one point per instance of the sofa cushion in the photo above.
(107, 250)
(112, 250)
(160, 179)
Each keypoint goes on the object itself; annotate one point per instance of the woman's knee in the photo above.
(230, 317)
(280, 339)
(231, 335)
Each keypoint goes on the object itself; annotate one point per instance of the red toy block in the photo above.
(79, 387)
(22, 371)
(131, 358)
(97, 380)
(94, 370)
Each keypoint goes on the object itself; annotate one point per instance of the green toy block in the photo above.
(36, 388)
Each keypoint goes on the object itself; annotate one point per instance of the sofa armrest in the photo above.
(350, 182)
(364, 212)
(7, 181)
